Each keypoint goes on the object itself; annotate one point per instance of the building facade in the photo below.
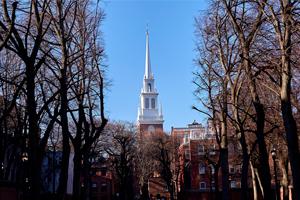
(199, 161)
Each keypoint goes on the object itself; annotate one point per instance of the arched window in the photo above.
(202, 185)
(149, 87)
(201, 168)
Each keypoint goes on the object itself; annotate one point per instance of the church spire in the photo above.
(148, 73)
(149, 114)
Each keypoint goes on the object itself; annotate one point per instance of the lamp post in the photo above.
(24, 158)
(277, 194)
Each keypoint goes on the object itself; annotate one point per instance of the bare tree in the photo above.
(58, 76)
(8, 27)
(26, 40)
(246, 28)
(121, 150)
(165, 153)
(212, 79)
(145, 165)
(283, 16)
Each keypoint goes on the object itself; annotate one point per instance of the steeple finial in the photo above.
(148, 73)
(147, 32)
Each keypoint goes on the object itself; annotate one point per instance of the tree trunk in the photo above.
(76, 175)
(224, 143)
(225, 172)
(260, 124)
(63, 178)
(216, 178)
(253, 182)
(145, 192)
(284, 181)
(245, 167)
(259, 182)
(285, 95)
(245, 44)
(291, 131)
(33, 132)
(86, 176)
(171, 191)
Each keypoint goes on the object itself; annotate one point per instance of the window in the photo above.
(201, 168)
(149, 87)
(231, 169)
(201, 150)
(94, 185)
(202, 185)
(147, 103)
(196, 135)
(186, 138)
(233, 184)
(153, 103)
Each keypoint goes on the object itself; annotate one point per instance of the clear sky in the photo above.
(172, 44)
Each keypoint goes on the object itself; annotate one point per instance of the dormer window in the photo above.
(149, 87)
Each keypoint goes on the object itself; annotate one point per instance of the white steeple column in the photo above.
(148, 73)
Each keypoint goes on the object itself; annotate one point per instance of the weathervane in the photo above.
(147, 27)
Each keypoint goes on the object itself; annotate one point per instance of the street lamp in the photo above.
(277, 194)
(24, 156)
(26, 186)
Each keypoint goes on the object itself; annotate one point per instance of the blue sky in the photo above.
(172, 44)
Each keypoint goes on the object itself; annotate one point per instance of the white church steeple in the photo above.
(149, 112)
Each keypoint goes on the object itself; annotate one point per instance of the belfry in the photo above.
(150, 118)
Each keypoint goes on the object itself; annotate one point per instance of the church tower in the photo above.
(150, 118)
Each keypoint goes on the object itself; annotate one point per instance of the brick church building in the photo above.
(150, 118)
(150, 122)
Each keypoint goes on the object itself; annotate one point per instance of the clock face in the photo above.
(151, 129)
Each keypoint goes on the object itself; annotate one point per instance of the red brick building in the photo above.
(102, 185)
(158, 189)
(199, 161)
